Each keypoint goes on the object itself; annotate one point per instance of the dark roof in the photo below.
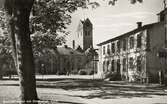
(163, 11)
(129, 33)
(85, 20)
(67, 51)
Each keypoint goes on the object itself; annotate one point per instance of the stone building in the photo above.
(133, 56)
(83, 38)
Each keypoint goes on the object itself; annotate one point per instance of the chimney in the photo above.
(139, 24)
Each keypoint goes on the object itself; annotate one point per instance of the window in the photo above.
(108, 49)
(131, 63)
(104, 50)
(103, 66)
(131, 42)
(87, 33)
(112, 63)
(113, 47)
(124, 64)
(139, 63)
(139, 41)
(118, 66)
(124, 44)
(118, 46)
(108, 65)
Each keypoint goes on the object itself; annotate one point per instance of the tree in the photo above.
(18, 13)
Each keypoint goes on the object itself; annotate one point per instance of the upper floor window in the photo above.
(131, 42)
(118, 46)
(104, 50)
(139, 40)
(108, 49)
(113, 47)
(124, 44)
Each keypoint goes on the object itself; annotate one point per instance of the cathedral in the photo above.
(83, 38)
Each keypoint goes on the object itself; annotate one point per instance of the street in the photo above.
(87, 91)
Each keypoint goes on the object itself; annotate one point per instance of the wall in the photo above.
(156, 41)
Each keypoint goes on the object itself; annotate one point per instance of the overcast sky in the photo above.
(111, 21)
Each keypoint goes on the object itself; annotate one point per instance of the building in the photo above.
(83, 38)
(62, 61)
(133, 56)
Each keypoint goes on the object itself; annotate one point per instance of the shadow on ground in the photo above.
(101, 89)
(106, 90)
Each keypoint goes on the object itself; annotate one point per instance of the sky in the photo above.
(111, 21)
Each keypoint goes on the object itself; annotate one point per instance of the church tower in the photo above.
(84, 35)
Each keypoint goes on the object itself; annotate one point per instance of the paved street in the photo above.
(88, 91)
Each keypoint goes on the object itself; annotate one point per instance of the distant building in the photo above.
(83, 38)
(133, 56)
(62, 61)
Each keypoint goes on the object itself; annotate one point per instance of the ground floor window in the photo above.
(131, 60)
(112, 63)
(103, 66)
(124, 64)
(108, 65)
(118, 66)
(139, 65)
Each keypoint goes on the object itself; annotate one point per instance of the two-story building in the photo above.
(133, 55)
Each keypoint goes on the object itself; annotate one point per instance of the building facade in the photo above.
(133, 56)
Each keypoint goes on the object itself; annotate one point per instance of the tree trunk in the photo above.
(19, 12)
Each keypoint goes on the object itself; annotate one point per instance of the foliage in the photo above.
(53, 16)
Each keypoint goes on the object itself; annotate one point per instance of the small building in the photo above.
(133, 56)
